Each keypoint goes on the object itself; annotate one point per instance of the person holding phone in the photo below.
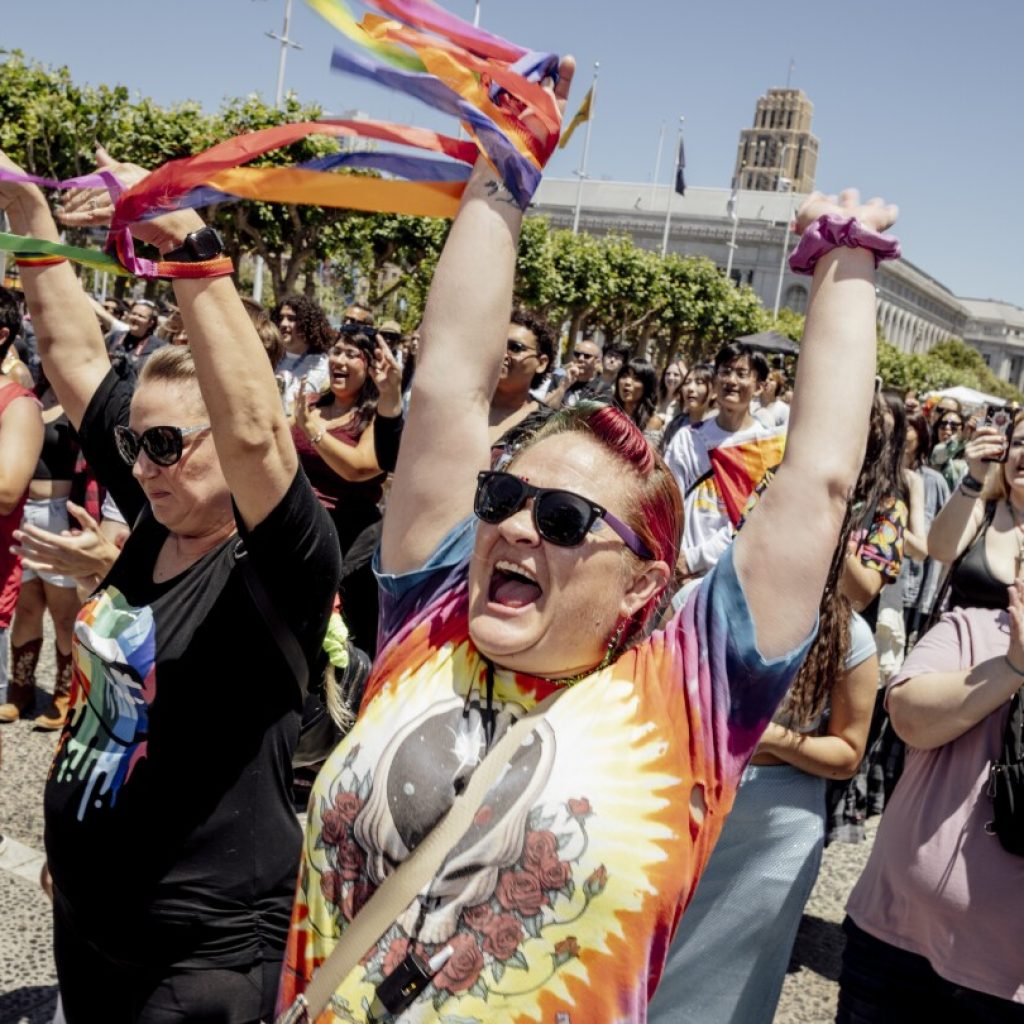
(980, 530)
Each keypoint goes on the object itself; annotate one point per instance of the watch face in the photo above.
(207, 244)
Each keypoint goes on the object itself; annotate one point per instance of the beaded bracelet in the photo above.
(829, 232)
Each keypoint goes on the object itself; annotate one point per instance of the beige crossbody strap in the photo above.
(399, 889)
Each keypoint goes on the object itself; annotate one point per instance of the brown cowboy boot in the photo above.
(57, 713)
(21, 693)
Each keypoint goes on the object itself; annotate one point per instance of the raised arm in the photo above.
(68, 336)
(960, 519)
(828, 426)
(249, 429)
(462, 344)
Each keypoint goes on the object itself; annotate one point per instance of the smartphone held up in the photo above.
(1001, 418)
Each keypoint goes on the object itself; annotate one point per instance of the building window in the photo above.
(796, 298)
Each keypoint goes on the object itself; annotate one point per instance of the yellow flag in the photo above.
(583, 114)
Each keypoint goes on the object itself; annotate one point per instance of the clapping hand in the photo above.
(307, 415)
(387, 375)
(83, 553)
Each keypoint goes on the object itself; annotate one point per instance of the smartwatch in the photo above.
(198, 247)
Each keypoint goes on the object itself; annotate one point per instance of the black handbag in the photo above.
(1006, 784)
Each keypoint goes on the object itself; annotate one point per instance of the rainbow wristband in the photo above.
(39, 261)
(222, 266)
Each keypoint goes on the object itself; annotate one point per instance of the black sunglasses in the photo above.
(163, 445)
(349, 321)
(955, 424)
(391, 337)
(356, 328)
(517, 348)
(561, 517)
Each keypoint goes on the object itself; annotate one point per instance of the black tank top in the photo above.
(973, 584)
(60, 451)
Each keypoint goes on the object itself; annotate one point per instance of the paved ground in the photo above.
(28, 983)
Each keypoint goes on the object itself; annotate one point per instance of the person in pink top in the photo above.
(934, 927)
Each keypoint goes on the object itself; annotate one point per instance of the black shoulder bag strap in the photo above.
(283, 635)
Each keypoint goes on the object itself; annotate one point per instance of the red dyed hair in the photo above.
(654, 508)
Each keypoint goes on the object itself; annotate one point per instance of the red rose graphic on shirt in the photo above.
(464, 967)
(502, 936)
(520, 891)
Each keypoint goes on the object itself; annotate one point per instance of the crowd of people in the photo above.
(636, 627)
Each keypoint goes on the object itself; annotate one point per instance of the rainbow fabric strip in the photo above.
(492, 86)
(739, 468)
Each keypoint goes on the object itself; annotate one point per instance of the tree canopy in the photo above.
(662, 306)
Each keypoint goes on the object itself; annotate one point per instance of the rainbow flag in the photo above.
(738, 469)
(493, 87)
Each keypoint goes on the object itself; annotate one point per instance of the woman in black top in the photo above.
(980, 531)
(47, 508)
(336, 440)
(169, 830)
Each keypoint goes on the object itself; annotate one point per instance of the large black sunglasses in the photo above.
(163, 445)
(561, 517)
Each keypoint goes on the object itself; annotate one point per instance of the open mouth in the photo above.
(512, 586)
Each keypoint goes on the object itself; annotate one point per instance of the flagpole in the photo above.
(785, 240)
(671, 193)
(582, 172)
(657, 164)
(734, 215)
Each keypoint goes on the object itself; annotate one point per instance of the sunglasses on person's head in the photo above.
(561, 517)
(368, 324)
(354, 328)
(163, 445)
(517, 348)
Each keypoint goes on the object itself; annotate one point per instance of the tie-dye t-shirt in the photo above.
(561, 899)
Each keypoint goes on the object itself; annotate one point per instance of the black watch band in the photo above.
(198, 247)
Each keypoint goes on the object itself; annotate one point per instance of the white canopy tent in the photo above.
(966, 396)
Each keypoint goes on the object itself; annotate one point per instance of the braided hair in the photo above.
(879, 478)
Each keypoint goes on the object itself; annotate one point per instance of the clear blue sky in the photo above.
(916, 100)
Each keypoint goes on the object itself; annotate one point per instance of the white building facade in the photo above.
(915, 311)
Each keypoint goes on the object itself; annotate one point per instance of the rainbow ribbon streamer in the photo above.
(491, 85)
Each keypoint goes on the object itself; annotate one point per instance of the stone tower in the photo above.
(779, 153)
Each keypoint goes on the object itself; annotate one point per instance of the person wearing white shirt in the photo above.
(769, 408)
(740, 372)
(307, 335)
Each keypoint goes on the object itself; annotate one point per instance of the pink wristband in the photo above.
(830, 231)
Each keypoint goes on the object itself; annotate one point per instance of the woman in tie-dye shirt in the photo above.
(559, 902)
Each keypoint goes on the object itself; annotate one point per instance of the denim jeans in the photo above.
(883, 984)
